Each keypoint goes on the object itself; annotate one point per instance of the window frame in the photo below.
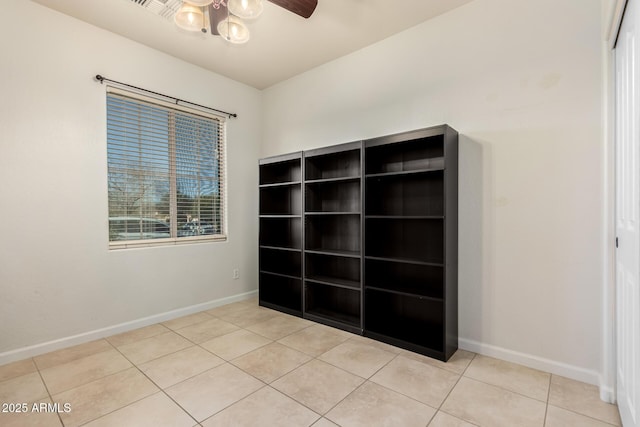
(221, 146)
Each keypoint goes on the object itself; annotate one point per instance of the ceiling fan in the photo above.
(225, 17)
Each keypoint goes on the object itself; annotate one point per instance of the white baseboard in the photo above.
(540, 363)
(35, 350)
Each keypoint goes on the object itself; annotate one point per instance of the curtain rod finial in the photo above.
(99, 78)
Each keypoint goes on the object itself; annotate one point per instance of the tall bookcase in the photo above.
(411, 249)
(333, 236)
(363, 236)
(281, 235)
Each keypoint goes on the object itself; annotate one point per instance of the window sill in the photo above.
(131, 244)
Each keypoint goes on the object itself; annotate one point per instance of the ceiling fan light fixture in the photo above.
(233, 30)
(246, 9)
(190, 17)
(200, 3)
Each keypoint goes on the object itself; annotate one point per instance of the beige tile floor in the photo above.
(244, 365)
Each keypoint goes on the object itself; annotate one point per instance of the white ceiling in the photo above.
(282, 44)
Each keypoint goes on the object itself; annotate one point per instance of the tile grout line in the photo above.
(363, 383)
(84, 384)
(103, 415)
(454, 386)
(225, 361)
(585, 415)
(265, 384)
(473, 423)
(504, 388)
(302, 403)
(22, 374)
(141, 339)
(323, 415)
(571, 410)
(272, 342)
(546, 402)
(546, 407)
(343, 399)
(249, 373)
(161, 389)
(47, 389)
(262, 388)
(302, 351)
(367, 379)
(404, 395)
(231, 404)
(294, 399)
(154, 383)
(195, 344)
(199, 345)
(306, 354)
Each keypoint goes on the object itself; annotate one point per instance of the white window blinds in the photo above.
(165, 172)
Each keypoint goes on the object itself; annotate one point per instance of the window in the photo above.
(165, 172)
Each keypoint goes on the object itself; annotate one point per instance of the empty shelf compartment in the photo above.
(335, 233)
(281, 232)
(416, 279)
(278, 261)
(282, 200)
(333, 269)
(340, 164)
(417, 154)
(333, 196)
(281, 291)
(332, 303)
(410, 319)
(417, 194)
(407, 239)
(280, 172)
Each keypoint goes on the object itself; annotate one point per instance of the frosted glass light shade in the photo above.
(190, 18)
(233, 30)
(199, 2)
(246, 9)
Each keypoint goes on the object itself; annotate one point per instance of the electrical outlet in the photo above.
(236, 273)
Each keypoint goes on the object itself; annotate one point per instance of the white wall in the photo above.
(57, 275)
(520, 80)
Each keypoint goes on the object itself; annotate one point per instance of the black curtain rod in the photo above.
(102, 79)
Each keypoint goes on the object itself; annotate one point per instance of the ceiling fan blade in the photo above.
(303, 8)
(215, 16)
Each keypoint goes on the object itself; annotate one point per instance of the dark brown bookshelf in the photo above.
(333, 236)
(281, 233)
(411, 240)
(364, 237)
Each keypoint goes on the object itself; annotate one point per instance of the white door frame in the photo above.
(625, 266)
(612, 19)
